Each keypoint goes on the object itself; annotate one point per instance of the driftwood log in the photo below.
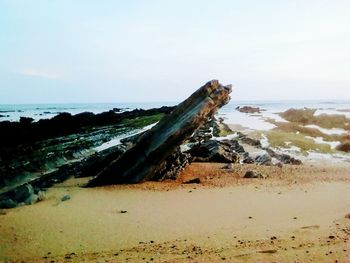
(150, 151)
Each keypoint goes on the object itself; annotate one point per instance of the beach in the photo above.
(297, 213)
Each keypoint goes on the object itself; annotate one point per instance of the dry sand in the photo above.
(298, 214)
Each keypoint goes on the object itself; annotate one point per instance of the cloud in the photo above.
(41, 73)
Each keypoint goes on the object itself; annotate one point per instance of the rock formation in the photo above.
(225, 151)
(149, 153)
(248, 109)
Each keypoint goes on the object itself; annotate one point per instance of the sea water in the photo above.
(13, 112)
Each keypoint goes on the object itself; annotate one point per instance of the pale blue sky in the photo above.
(117, 51)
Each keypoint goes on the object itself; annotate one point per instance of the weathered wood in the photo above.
(148, 154)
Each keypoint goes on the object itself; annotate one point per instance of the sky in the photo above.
(63, 51)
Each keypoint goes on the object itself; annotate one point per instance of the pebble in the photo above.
(65, 198)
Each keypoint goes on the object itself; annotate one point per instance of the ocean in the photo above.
(13, 112)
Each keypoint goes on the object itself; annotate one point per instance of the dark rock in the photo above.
(284, 158)
(30, 193)
(25, 121)
(254, 142)
(27, 131)
(172, 165)
(252, 174)
(344, 146)
(248, 109)
(214, 151)
(248, 160)
(147, 156)
(65, 198)
(193, 181)
(263, 159)
(22, 194)
(7, 203)
(43, 154)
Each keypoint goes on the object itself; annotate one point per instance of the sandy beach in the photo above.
(297, 214)
(174, 131)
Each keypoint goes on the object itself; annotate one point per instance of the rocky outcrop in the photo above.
(145, 159)
(216, 151)
(251, 141)
(26, 131)
(32, 191)
(248, 109)
(62, 139)
(283, 158)
(172, 166)
(266, 159)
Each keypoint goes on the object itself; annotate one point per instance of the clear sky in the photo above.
(120, 51)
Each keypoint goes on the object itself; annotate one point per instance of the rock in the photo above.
(33, 198)
(30, 193)
(248, 109)
(29, 149)
(248, 160)
(214, 151)
(27, 131)
(206, 132)
(147, 156)
(7, 203)
(193, 181)
(254, 142)
(344, 146)
(65, 198)
(22, 194)
(172, 165)
(282, 157)
(228, 166)
(252, 174)
(263, 159)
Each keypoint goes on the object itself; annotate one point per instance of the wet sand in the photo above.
(296, 214)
